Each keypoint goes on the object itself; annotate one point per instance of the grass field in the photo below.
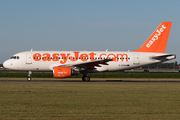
(89, 101)
(92, 79)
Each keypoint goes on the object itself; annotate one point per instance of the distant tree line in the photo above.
(1, 65)
(173, 65)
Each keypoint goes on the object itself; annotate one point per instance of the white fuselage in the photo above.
(46, 60)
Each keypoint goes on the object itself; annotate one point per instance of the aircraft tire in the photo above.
(86, 78)
(29, 79)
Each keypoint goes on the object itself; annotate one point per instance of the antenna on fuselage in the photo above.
(31, 50)
(106, 50)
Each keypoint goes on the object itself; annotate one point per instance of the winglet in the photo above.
(158, 40)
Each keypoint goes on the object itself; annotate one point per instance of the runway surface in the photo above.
(91, 82)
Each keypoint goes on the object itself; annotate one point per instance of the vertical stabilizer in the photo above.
(158, 40)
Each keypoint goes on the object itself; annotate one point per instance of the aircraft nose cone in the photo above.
(6, 64)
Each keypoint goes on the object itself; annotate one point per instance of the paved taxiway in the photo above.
(92, 82)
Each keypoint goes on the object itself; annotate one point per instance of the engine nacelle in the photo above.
(64, 72)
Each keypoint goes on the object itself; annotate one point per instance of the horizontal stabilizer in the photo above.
(164, 57)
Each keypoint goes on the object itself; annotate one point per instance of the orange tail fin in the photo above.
(158, 40)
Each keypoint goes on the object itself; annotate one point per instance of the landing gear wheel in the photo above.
(29, 79)
(86, 78)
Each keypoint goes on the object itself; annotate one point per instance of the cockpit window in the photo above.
(15, 57)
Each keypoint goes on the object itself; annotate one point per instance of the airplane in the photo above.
(64, 64)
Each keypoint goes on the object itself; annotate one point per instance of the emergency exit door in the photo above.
(136, 59)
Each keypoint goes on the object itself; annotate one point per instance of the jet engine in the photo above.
(64, 72)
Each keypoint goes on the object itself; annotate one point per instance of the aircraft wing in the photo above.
(92, 64)
(89, 64)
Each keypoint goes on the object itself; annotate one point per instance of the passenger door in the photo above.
(28, 58)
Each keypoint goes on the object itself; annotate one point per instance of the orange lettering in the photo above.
(114, 58)
(83, 57)
(102, 55)
(46, 57)
(55, 57)
(122, 57)
(76, 56)
(92, 56)
(65, 58)
(37, 57)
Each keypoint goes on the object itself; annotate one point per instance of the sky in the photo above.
(92, 25)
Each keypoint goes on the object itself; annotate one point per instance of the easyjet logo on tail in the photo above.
(156, 36)
(63, 57)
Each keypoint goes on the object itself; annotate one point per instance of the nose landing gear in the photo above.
(29, 76)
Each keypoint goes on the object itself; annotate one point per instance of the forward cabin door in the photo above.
(136, 59)
(28, 58)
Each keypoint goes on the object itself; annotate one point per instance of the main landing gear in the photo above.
(86, 78)
(29, 76)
